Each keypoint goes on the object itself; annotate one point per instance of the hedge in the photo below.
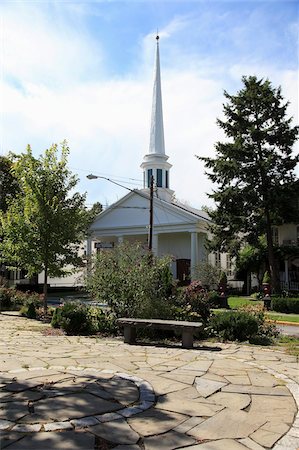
(285, 305)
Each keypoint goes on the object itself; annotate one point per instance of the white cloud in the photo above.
(48, 97)
(38, 48)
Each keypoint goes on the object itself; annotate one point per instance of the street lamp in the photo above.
(91, 176)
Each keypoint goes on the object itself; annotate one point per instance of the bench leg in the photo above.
(129, 334)
(187, 339)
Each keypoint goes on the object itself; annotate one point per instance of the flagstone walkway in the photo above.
(62, 392)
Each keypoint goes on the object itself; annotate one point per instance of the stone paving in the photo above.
(90, 393)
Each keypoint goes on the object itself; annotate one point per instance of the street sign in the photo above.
(104, 245)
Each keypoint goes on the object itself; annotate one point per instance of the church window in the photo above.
(218, 260)
(229, 265)
(159, 177)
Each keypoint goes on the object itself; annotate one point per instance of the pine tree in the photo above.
(256, 186)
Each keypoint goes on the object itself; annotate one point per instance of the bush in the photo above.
(12, 299)
(5, 298)
(193, 304)
(234, 326)
(78, 319)
(29, 311)
(285, 305)
(248, 323)
(132, 282)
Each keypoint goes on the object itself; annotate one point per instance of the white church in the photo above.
(176, 229)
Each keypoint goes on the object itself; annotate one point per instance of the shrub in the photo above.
(132, 282)
(285, 305)
(78, 319)
(13, 299)
(266, 278)
(5, 298)
(267, 330)
(29, 311)
(193, 304)
(234, 325)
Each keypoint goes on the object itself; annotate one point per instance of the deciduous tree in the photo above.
(45, 223)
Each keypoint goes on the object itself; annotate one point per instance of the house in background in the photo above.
(287, 237)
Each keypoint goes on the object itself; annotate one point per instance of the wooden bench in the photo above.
(186, 328)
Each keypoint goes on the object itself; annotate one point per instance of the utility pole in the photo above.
(150, 235)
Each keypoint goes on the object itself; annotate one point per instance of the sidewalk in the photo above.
(70, 392)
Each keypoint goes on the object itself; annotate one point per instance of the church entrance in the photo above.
(183, 271)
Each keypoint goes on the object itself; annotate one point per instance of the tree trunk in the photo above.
(275, 282)
(45, 290)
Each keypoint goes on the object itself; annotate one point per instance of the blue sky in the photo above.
(83, 71)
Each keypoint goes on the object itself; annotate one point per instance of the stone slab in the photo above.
(249, 443)
(117, 432)
(154, 421)
(74, 406)
(168, 441)
(258, 390)
(231, 400)
(221, 444)
(207, 387)
(273, 408)
(241, 425)
(65, 440)
(187, 406)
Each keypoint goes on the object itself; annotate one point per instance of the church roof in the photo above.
(132, 212)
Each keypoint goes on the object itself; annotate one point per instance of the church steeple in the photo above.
(155, 162)
(157, 130)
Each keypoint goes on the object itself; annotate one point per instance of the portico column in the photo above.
(88, 255)
(88, 247)
(194, 254)
(286, 273)
(155, 244)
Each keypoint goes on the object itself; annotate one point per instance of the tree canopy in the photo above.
(45, 223)
(9, 186)
(253, 171)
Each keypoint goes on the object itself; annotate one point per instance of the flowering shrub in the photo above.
(12, 299)
(194, 303)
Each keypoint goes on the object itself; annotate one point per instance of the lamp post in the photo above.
(151, 221)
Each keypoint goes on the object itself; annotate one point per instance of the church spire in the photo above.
(157, 130)
(155, 161)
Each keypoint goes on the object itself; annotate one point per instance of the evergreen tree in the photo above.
(256, 186)
(44, 225)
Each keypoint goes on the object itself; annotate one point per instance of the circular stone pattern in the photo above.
(52, 400)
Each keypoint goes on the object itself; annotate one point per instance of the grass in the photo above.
(280, 317)
(238, 302)
(290, 344)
